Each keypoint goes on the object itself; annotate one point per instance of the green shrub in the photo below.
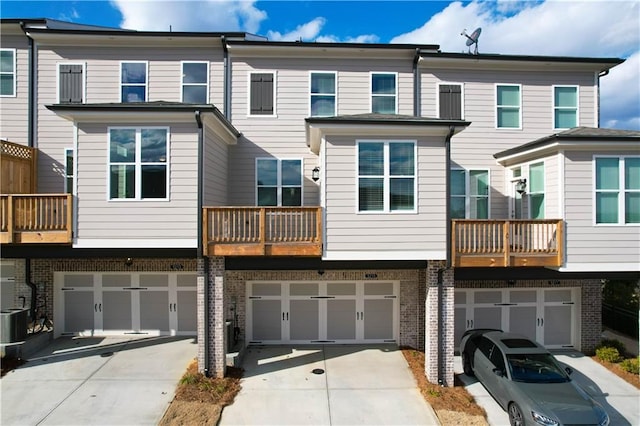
(631, 365)
(613, 343)
(608, 353)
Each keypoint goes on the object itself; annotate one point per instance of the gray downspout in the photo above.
(32, 286)
(447, 145)
(227, 79)
(201, 260)
(599, 76)
(416, 85)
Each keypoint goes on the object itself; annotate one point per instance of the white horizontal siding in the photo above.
(215, 170)
(14, 110)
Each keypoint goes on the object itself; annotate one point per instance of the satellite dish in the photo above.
(472, 39)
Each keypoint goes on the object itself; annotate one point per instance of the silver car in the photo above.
(527, 381)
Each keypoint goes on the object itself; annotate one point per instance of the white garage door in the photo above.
(100, 303)
(549, 316)
(322, 312)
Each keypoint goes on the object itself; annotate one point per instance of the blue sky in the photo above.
(532, 27)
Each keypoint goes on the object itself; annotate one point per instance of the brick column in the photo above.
(591, 295)
(431, 324)
(217, 349)
(200, 311)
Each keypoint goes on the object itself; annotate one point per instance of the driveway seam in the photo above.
(326, 382)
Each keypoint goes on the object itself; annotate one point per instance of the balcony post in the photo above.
(10, 217)
(560, 242)
(319, 224)
(69, 218)
(263, 226)
(506, 226)
(205, 231)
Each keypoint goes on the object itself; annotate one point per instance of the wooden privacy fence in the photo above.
(39, 218)
(263, 231)
(487, 242)
(18, 164)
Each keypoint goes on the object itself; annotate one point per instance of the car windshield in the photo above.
(535, 368)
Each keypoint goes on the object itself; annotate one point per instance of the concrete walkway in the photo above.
(97, 381)
(327, 385)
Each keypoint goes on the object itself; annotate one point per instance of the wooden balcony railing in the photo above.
(507, 242)
(262, 231)
(36, 218)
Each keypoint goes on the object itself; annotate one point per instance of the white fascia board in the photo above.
(600, 267)
(384, 255)
(137, 243)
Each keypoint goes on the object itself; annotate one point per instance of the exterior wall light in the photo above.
(521, 186)
(315, 174)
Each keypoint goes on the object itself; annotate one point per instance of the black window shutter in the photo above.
(451, 101)
(261, 94)
(70, 84)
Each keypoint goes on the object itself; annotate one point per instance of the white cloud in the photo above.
(308, 31)
(200, 15)
(72, 16)
(562, 28)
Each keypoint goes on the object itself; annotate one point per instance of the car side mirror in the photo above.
(569, 370)
(498, 372)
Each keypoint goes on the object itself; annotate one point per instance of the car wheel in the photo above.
(466, 365)
(515, 415)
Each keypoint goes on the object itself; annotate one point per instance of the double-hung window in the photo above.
(278, 182)
(384, 93)
(536, 191)
(138, 163)
(617, 190)
(68, 170)
(133, 81)
(450, 101)
(386, 176)
(469, 194)
(508, 106)
(262, 93)
(323, 94)
(565, 107)
(195, 82)
(7, 72)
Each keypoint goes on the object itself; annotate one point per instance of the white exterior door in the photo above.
(322, 312)
(105, 303)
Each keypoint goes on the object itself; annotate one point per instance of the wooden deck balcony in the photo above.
(502, 243)
(36, 219)
(262, 231)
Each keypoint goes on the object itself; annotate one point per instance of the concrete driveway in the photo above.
(619, 399)
(327, 385)
(96, 380)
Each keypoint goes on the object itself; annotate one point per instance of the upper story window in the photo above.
(469, 194)
(536, 191)
(195, 82)
(133, 81)
(262, 93)
(323, 94)
(68, 170)
(278, 182)
(450, 101)
(70, 83)
(386, 176)
(384, 93)
(508, 106)
(7, 72)
(617, 190)
(565, 107)
(138, 163)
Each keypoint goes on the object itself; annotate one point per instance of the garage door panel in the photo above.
(487, 317)
(116, 310)
(522, 320)
(553, 333)
(304, 320)
(341, 319)
(154, 310)
(267, 322)
(187, 304)
(78, 311)
(378, 319)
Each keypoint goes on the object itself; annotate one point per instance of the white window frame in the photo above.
(68, 190)
(621, 191)
(183, 84)
(146, 80)
(334, 94)
(437, 97)
(387, 177)
(555, 107)
(496, 106)
(84, 79)
(138, 164)
(275, 87)
(467, 194)
(13, 73)
(371, 95)
(279, 185)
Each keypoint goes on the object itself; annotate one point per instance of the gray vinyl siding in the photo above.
(216, 158)
(99, 218)
(347, 230)
(475, 146)
(587, 242)
(54, 134)
(552, 187)
(14, 111)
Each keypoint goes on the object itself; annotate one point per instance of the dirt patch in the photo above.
(199, 399)
(615, 368)
(453, 405)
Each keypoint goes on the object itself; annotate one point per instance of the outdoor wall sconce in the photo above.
(521, 186)
(129, 261)
(315, 174)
